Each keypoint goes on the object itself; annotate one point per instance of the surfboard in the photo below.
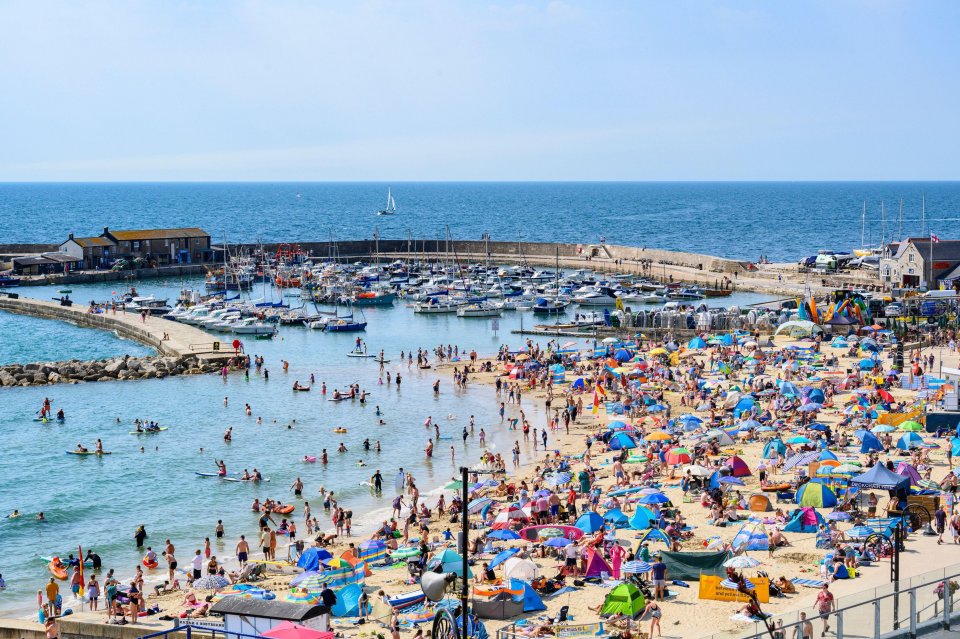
(399, 481)
(148, 432)
(89, 452)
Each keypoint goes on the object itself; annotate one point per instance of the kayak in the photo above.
(89, 452)
(148, 432)
(86, 562)
(57, 569)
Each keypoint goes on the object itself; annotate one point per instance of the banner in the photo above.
(579, 630)
(710, 588)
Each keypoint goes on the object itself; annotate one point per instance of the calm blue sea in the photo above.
(740, 220)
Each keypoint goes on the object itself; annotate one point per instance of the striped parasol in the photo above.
(732, 585)
(302, 597)
(859, 532)
(636, 567)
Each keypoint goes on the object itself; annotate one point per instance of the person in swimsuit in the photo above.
(243, 551)
(221, 468)
(297, 487)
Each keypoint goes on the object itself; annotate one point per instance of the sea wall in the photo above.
(22, 629)
(184, 350)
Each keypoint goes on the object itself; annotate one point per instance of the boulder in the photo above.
(54, 377)
(114, 367)
(39, 378)
(6, 379)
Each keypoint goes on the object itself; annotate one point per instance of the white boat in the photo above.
(251, 326)
(599, 296)
(391, 205)
(478, 310)
(446, 306)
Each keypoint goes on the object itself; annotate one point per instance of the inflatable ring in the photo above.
(150, 564)
(339, 430)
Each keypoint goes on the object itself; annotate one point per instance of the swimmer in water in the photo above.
(378, 413)
(14, 514)
(228, 434)
(40, 516)
(221, 468)
(360, 462)
(342, 448)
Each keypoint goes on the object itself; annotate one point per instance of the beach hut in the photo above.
(760, 503)
(773, 448)
(816, 495)
(589, 522)
(738, 467)
(626, 599)
(616, 518)
(751, 536)
(642, 518)
(596, 564)
(804, 520)
(620, 441)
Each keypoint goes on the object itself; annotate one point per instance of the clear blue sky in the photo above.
(473, 90)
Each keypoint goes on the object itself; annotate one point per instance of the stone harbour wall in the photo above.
(106, 370)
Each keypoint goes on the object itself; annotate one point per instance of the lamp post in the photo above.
(464, 549)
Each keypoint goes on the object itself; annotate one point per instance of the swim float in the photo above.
(339, 430)
(150, 564)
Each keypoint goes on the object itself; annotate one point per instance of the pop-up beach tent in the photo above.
(626, 599)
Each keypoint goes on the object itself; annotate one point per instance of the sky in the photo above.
(471, 90)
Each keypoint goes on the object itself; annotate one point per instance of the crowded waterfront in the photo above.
(729, 447)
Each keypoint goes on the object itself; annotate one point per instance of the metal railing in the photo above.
(918, 605)
(206, 629)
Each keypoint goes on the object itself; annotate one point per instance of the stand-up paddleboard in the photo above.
(89, 452)
(244, 480)
(362, 355)
(382, 361)
(149, 432)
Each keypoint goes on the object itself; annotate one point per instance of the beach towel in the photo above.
(808, 583)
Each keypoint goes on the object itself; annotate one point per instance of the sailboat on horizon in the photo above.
(391, 205)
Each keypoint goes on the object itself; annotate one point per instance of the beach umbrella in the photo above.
(799, 439)
(748, 424)
(618, 425)
(859, 532)
(502, 557)
(590, 522)
(405, 553)
(812, 407)
(289, 630)
(847, 469)
(558, 479)
(609, 340)
(883, 428)
(658, 436)
(636, 567)
(699, 471)
(655, 498)
(504, 535)
(658, 351)
(929, 484)
(448, 561)
(557, 542)
(911, 426)
(690, 417)
(454, 485)
(518, 568)
(741, 561)
(732, 585)
(211, 582)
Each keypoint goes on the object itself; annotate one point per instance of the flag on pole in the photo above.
(934, 238)
(598, 392)
(80, 557)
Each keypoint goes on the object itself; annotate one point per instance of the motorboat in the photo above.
(595, 296)
(435, 305)
(479, 310)
(252, 326)
(545, 306)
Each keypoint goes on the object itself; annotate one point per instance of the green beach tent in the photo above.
(626, 599)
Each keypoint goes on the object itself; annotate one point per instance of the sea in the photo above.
(783, 221)
(151, 480)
